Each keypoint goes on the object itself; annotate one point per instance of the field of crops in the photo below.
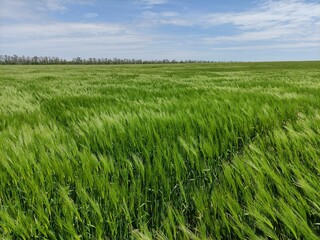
(173, 151)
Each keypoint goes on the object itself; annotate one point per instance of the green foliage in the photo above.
(186, 151)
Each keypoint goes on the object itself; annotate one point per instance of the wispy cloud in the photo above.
(17, 10)
(270, 46)
(166, 18)
(294, 22)
(279, 20)
(23, 10)
(91, 15)
(72, 38)
(150, 2)
(53, 5)
(48, 30)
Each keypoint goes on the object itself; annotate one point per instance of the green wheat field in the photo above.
(167, 151)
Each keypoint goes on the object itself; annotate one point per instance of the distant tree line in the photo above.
(26, 60)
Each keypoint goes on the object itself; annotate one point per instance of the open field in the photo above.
(184, 151)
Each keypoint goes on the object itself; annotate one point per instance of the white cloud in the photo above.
(268, 14)
(54, 5)
(91, 15)
(73, 39)
(34, 9)
(270, 46)
(150, 2)
(40, 31)
(287, 20)
(17, 10)
(155, 19)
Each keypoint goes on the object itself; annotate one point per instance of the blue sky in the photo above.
(218, 30)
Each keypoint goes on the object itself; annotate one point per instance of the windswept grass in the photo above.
(209, 151)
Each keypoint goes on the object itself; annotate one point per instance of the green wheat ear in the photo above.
(188, 151)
